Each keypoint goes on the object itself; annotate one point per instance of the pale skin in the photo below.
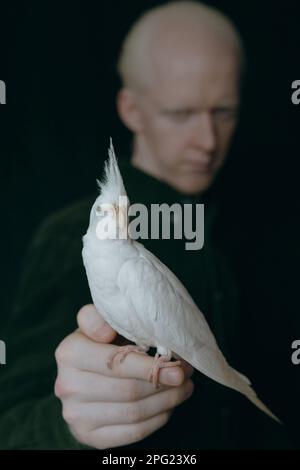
(182, 132)
(113, 407)
(183, 121)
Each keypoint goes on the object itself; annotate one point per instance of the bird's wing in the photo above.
(164, 307)
(163, 269)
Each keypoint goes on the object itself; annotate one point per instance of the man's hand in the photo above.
(113, 407)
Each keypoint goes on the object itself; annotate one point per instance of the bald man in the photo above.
(181, 66)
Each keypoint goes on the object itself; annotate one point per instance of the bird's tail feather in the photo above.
(243, 377)
(229, 377)
(242, 384)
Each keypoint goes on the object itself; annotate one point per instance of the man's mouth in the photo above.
(199, 166)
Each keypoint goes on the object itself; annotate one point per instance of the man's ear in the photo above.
(128, 109)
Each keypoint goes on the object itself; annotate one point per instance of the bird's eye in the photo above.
(99, 211)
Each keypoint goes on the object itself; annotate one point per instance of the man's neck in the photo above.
(143, 161)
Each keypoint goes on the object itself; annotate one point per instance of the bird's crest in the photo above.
(112, 186)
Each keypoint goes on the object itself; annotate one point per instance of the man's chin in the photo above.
(195, 185)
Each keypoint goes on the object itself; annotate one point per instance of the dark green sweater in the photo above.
(52, 289)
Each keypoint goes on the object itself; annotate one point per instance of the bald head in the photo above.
(180, 66)
(176, 31)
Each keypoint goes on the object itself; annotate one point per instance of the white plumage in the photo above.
(143, 300)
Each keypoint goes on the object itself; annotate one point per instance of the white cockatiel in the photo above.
(142, 299)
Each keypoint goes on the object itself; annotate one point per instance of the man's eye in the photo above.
(180, 115)
(225, 113)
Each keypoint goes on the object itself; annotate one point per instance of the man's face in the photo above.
(188, 117)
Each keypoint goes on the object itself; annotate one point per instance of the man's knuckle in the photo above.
(132, 390)
(64, 387)
(63, 351)
(58, 388)
(133, 412)
(59, 353)
(70, 413)
(81, 315)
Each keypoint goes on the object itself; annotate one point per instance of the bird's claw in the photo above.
(160, 362)
(122, 352)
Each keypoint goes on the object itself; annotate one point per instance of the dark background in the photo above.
(58, 61)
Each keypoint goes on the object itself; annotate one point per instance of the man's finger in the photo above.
(120, 435)
(188, 370)
(93, 357)
(96, 388)
(93, 325)
(96, 414)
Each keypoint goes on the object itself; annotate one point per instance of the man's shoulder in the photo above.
(69, 222)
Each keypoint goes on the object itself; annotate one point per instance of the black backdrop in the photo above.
(58, 61)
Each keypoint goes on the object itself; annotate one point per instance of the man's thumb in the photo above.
(92, 324)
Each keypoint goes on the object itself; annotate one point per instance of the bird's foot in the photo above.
(160, 362)
(122, 352)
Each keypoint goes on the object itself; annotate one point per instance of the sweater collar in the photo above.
(145, 188)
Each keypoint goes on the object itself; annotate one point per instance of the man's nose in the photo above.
(204, 133)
